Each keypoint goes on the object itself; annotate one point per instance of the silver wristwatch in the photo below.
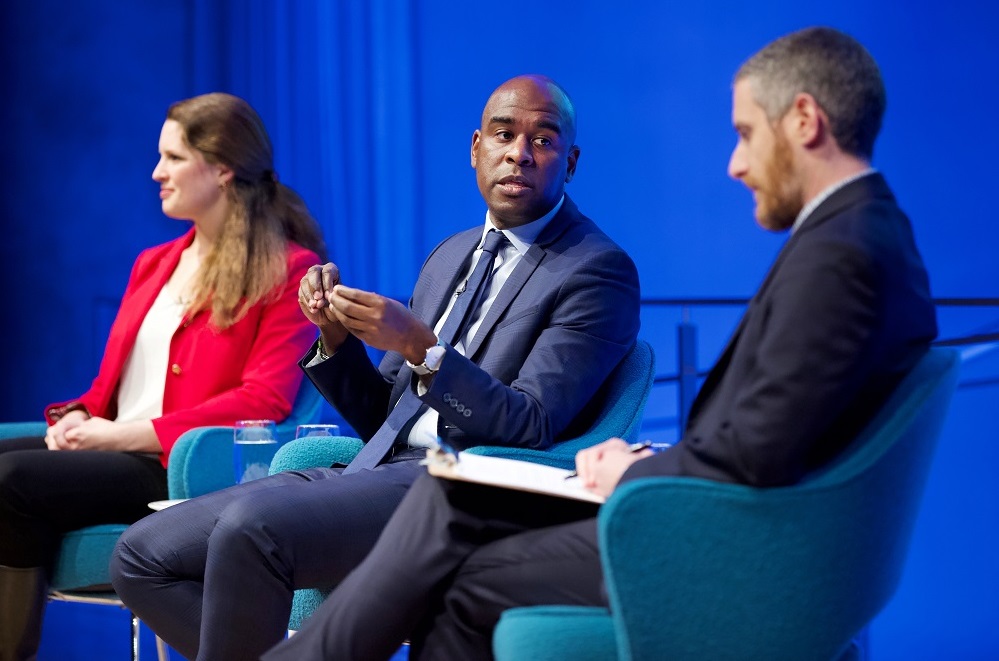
(431, 362)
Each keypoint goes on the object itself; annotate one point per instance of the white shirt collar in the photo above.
(524, 236)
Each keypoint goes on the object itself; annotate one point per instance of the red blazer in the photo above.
(248, 371)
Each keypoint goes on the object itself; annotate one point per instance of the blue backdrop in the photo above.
(371, 106)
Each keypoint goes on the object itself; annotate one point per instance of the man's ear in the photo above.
(573, 158)
(476, 137)
(807, 123)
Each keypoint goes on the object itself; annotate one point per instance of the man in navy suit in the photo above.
(843, 314)
(214, 576)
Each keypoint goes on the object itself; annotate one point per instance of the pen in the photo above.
(633, 448)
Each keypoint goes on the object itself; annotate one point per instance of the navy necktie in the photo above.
(469, 298)
(473, 292)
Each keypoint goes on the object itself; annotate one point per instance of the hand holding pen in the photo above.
(632, 449)
(600, 467)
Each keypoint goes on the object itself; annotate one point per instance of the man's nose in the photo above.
(737, 163)
(520, 151)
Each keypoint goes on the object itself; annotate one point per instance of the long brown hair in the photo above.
(248, 262)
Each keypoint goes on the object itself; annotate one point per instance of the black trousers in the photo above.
(453, 557)
(45, 494)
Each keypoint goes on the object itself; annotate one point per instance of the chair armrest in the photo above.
(201, 462)
(314, 452)
(560, 455)
(620, 403)
(554, 633)
(19, 429)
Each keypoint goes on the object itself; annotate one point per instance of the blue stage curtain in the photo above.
(336, 84)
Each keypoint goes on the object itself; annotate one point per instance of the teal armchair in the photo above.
(696, 569)
(620, 403)
(200, 462)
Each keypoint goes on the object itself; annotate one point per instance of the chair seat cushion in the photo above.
(304, 604)
(83, 558)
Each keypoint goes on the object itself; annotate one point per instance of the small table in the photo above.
(163, 504)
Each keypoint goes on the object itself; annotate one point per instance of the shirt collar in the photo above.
(824, 195)
(524, 236)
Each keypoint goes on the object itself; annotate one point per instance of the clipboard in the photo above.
(507, 474)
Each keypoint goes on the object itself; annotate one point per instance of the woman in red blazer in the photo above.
(209, 331)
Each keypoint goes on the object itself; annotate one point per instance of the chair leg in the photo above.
(162, 652)
(135, 636)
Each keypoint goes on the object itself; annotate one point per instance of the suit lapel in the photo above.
(862, 189)
(552, 232)
(715, 375)
(141, 300)
(726, 355)
(511, 288)
(451, 268)
(866, 187)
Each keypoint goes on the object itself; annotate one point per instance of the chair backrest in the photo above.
(621, 399)
(698, 569)
(619, 402)
(304, 411)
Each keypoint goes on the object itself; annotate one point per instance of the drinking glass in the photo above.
(254, 445)
(659, 446)
(302, 431)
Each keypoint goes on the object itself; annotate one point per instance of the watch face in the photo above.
(435, 355)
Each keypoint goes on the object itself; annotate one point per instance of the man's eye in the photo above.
(542, 141)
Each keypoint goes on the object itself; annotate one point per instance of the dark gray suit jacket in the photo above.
(843, 313)
(563, 320)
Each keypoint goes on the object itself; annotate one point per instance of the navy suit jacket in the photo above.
(843, 314)
(563, 320)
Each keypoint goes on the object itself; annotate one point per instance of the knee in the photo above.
(122, 558)
(243, 529)
(18, 487)
(472, 604)
(14, 477)
(134, 557)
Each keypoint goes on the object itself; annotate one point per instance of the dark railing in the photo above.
(687, 375)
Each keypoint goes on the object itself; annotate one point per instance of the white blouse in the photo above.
(143, 379)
